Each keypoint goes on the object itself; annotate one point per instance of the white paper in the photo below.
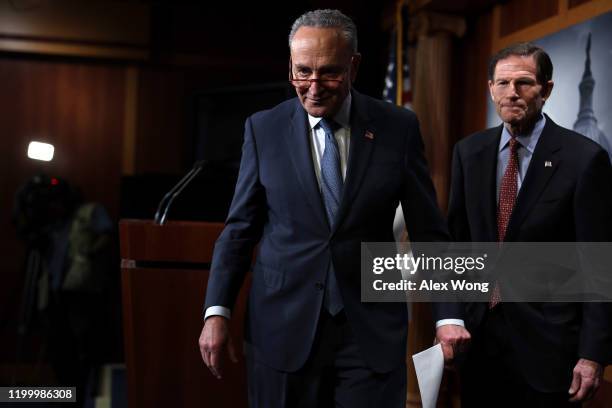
(429, 366)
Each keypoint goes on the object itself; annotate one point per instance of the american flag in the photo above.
(393, 78)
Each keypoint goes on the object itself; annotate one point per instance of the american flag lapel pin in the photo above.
(547, 163)
(369, 135)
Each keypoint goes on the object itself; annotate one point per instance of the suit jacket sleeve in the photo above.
(424, 220)
(593, 221)
(457, 213)
(459, 229)
(233, 251)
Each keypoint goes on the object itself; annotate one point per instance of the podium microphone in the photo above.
(166, 202)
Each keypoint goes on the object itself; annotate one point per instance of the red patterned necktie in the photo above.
(507, 198)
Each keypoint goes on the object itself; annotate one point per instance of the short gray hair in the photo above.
(327, 18)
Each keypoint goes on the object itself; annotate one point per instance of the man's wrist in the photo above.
(218, 311)
(444, 322)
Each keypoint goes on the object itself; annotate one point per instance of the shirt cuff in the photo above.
(443, 322)
(218, 311)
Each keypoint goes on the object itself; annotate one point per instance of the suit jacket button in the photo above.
(319, 286)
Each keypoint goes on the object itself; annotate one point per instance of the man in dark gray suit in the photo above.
(320, 174)
(529, 180)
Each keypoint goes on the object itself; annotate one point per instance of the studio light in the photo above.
(40, 151)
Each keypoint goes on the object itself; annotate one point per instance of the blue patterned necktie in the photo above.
(331, 189)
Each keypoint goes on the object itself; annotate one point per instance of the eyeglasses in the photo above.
(328, 80)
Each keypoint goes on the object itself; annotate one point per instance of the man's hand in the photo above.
(587, 378)
(215, 337)
(454, 339)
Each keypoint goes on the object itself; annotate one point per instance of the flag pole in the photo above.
(399, 56)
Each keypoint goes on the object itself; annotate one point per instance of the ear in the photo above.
(491, 89)
(355, 62)
(547, 89)
(290, 68)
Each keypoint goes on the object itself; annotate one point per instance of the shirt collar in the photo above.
(342, 117)
(529, 140)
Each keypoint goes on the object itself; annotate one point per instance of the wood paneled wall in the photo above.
(524, 20)
(102, 29)
(469, 78)
(78, 107)
(518, 14)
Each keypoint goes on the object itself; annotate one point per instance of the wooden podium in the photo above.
(164, 275)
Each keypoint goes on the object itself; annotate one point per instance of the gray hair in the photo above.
(327, 19)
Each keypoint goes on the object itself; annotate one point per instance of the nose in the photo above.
(513, 89)
(315, 86)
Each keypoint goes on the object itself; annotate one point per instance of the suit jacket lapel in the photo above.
(538, 175)
(359, 154)
(482, 169)
(299, 150)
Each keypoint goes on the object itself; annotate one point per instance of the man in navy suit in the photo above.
(320, 174)
(529, 180)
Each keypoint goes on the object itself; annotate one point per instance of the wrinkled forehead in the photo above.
(515, 65)
(316, 41)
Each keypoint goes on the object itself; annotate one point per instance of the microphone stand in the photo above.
(166, 202)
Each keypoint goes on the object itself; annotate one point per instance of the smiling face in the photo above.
(318, 53)
(516, 92)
